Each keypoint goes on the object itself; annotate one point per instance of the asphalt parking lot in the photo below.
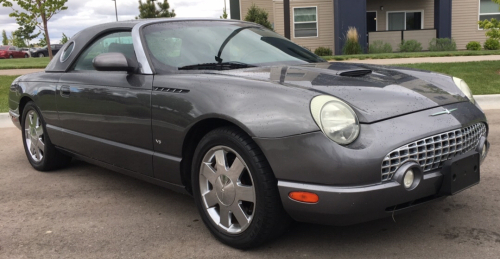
(88, 212)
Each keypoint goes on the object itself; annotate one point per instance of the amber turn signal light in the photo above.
(306, 197)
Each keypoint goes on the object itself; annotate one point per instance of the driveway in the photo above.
(88, 212)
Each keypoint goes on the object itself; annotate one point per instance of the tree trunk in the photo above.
(45, 28)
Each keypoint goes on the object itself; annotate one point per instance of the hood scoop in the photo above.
(355, 72)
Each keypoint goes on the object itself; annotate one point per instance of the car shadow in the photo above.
(300, 236)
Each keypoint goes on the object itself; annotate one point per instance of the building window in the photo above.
(305, 22)
(400, 21)
(488, 10)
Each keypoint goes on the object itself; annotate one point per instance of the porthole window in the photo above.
(67, 52)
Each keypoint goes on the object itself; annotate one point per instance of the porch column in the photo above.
(349, 13)
(442, 18)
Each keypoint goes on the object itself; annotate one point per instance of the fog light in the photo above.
(483, 152)
(408, 179)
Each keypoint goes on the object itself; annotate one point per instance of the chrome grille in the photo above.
(432, 152)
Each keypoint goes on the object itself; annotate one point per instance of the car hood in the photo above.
(384, 93)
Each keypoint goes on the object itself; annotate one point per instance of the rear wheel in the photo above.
(42, 155)
(235, 190)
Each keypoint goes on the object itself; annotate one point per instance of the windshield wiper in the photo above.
(217, 66)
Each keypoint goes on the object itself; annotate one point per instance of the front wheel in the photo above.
(42, 155)
(41, 55)
(26, 56)
(10, 56)
(235, 190)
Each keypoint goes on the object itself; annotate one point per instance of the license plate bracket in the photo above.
(460, 173)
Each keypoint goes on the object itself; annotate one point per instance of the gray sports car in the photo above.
(258, 130)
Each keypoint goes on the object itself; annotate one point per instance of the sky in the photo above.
(85, 13)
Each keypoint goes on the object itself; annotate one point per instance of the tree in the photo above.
(36, 13)
(25, 33)
(42, 42)
(16, 41)
(64, 39)
(492, 26)
(224, 11)
(5, 40)
(258, 15)
(149, 10)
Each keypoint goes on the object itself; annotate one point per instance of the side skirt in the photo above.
(174, 187)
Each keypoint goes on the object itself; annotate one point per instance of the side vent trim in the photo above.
(170, 90)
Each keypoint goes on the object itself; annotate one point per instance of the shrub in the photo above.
(410, 46)
(352, 45)
(492, 44)
(473, 45)
(258, 15)
(322, 51)
(444, 44)
(379, 46)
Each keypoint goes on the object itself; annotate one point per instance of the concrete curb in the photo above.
(5, 121)
(486, 102)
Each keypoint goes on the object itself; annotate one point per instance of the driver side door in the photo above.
(106, 115)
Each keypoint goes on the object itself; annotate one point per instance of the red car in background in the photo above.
(12, 52)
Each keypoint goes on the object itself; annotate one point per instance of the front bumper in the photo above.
(15, 119)
(342, 206)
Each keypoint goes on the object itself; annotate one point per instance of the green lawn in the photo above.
(415, 55)
(18, 63)
(5, 82)
(482, 77)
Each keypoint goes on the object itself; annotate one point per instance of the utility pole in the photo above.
(286, 9)
(116, 10)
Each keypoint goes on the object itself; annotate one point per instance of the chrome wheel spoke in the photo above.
(40, 145)
(37, 153)
(221, 161)
(211, 198)
(225, 219)
(236, 169)
(245, 193)
(208, 172)
(240, 215)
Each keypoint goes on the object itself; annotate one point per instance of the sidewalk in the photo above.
(397, 61)
(19, 72)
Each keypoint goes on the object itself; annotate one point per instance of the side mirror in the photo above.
(114, 61)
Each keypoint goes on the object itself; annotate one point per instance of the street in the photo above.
(88, 212)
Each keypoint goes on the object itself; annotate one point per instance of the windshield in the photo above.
(175, 45)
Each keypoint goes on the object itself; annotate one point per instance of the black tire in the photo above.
(10, 56)
(26, 56)
(269, 218)
(52, 158)
(41, 55)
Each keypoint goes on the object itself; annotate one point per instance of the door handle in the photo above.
(65, 91)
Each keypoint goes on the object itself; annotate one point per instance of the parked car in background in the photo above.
(256, 128)
(12, 52)
(26, 50)
(44, 52)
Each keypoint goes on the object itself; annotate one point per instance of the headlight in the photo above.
(335, 118)
(464, 88)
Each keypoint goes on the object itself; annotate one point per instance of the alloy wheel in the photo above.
(34, 136)
(227, 190)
